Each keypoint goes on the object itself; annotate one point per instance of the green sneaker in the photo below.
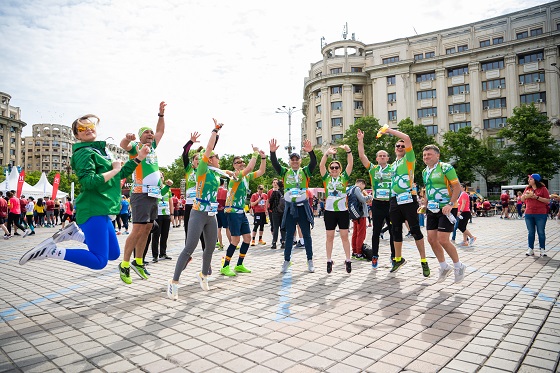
(139, 269)
(425, 269)
(397, 265)
(226, 271)
(241, 269)
(125, 275)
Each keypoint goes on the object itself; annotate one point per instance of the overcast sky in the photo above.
(235, 61)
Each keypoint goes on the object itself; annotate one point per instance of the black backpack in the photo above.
(355, 208)
(367, 251)
(277, 202)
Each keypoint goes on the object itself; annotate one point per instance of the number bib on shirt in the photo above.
(295, 195)
(433, 207)
(382, 193)
(154, 191)
(404, 198)
(191, 195)
(213, 209)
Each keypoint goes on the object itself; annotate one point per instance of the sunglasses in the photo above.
(239, 162)
(334, 167)
(215, 155)
(400, 146)
(84, 127)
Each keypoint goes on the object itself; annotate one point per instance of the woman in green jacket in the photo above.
(100, 176)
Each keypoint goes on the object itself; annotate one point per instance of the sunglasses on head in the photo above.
(334, 167)
(400, 146)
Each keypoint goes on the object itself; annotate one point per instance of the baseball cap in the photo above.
(295, 155)
(535, 177)
(142, 130)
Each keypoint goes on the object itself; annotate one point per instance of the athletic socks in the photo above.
(125, 264)
(229, 253)
(242, 252)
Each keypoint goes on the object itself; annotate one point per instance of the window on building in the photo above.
(356, 118)
(484, 43)
(12, 152)
(462, 48)
(336, 105)
(337, 89)
(317, 94)
(454, 127)
(493, 84)
(391, 97)
(318, 74)
(336, 70)
(498, 40)
(458, 90)
(423, 95)
(494, 103)
(418, 57)
(492, 65)
(319, 140)
(358, 105)
(337, 137)
(450, 50)
(536, 31)
(456, 71)
(319, 124)
(430, 54)
(12, 141)
(336, 122)
(536, 97)
(460, 108)
(358, 88)
(431, 130)
(422, 77)
(391, 80)
(532, 78)
(392, 115)
(318, 109)
(494, 123)
(530, 57)
(427, 112)
(521, 35)
(390, 60)
(12, 129)
(356, 69)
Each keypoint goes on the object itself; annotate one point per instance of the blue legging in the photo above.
(101, 241)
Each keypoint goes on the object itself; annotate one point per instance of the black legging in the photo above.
(159, 237)
(276, 220)
(260, 221)
(15, 220)
(380, 216)
(188, 209)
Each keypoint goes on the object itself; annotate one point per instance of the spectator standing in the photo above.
(519, 205)
(536, 198)
(124, 213)
(29, 214)
(258, 204)
(504, 201)
(40, 208)
(464, 217)
(4, 215)
(49, 207)
(221, 216)
(276, 203)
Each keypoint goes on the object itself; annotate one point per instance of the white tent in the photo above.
(47, 188)
(11, 184)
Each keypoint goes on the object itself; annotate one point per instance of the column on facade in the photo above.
(348, 106)
(475, 98)
(326, 114)
(441, 103)
(552, 82)
(512, 84)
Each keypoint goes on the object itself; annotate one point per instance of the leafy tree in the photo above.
(531, 146)
(463, 151)
(65, 182)
(175, 171)
(490, 159)
(32, 177)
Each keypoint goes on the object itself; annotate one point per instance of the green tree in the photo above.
(531, 148)
(490, 159)
(32, 177)
(65, 182)
(463, 151)
(175, 171)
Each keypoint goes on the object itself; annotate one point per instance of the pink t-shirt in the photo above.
(14, 205)
(464, 198)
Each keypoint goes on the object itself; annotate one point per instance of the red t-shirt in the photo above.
(504, 198)
(3, 208)
(14, 206)
(532, 206)
(22, 204)
(261, 206)
(222, 196)
(175, 202)
(50, 205)
(464, 198)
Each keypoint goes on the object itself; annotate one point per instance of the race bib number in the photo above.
(404, 198)
(382, 193)
(261, 203)
(433, 207)
(154, 191)
(213, 209)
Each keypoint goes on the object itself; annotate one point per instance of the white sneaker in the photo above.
(172, 290)
(70, 233)
(443, 273)
(203, 281)
(543, 252)
(310, 266)
(285, 266)
(530, 252)
(27, 232)
(40, 251)
(460, 273)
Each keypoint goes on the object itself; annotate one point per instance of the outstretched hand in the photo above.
(194, 137)
(217, 126)
(360, 135)
(162, 106)
(255, 149)
(307, 146)
(273, 145)
(331, 151)
(345, 147)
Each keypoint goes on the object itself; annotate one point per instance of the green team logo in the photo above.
(402, 181)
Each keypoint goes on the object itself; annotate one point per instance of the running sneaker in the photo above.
(471, 241)
(70, 232)
(40, 251)
(425, 269)
(443, 273)
(460, 273)
(253, 243)
(397, 265)
(273, 246)
(348, 264)
(464, 244)
(172, 290)
(139, 269)
(241, 269)
(165, 257)
(282, 245)
(359, 257)
(310, 266)
(285, 266)
(261, 242)
(543, 252)
(125, 274)
(17, 234)
(299, 245)
(155, 260)
(7, 236)
(203, 281)
(530, 252)
(226, 271)
(27, 232)
(374, 262)
(329, 266)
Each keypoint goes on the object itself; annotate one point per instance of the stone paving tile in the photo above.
(501, 315)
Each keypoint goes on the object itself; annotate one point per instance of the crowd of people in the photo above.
(215, 201)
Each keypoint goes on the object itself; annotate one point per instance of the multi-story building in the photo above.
(118, 152)
(471, 75)
(11, 126)
(49, 148)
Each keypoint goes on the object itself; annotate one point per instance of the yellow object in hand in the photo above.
(382, 131)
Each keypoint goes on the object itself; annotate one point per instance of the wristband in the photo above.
(160, 115)
(136, 160)
(263, 158)
(349, 152)
(215, 130)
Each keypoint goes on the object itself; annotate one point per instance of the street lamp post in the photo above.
(289, 111)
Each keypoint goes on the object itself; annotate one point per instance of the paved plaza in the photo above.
(504, 317)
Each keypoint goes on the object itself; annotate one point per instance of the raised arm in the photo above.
(212, 139)
(262, 168)
(349, 159)
(312, 157)
(251, 165)
(401, 135)
(323, 163)
(187, 149)
(160, 127)
(125, 143)
(361, 151)
(273, 148)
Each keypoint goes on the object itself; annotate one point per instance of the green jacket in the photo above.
(97, 198)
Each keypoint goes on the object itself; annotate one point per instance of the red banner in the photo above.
(20, 182)
(56, 182)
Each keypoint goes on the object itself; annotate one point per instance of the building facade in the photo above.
(49, 148)
(11, 127)
(471, 75)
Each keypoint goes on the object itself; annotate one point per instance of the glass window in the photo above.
(458, 71)
(358, 105)
(427, 112)
(498, 40)
(454, 127)
(430, 54)
(317, 94)
(494, 123)
(460, 108)
(391, 80)
(533, 97)
(336, 70)
(450, 50)
(390, 60)
(458, 90)
(493, 65)
(530, 57)
(337, 137)
(422, 95)
(521, 35)
(391, 97)
(494, 103)
(418, 57)
(319, 140)
(336, 105)
(356, 69)
(336, 89)
(493, 84)
(358, 88)
(425, 76)
(318, 109)
(320, 73)
(536, 31)
(532, 78)
(319, 124)
(484, 43)
(392, 115)
(336, 122)
(462, 48)
(431, 130)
